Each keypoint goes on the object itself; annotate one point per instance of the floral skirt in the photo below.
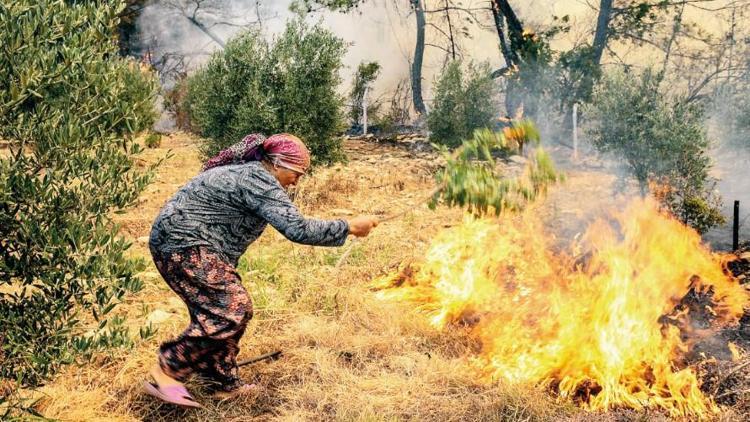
(220, 309)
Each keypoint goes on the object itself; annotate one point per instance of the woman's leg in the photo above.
(220, 309)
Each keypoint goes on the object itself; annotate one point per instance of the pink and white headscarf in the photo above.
(283, 150)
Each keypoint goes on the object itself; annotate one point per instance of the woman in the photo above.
(197, 240)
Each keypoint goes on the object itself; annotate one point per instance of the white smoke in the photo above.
(379, 30)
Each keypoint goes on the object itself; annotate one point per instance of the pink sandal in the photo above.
(175, 394)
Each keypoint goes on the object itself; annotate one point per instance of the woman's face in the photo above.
(287, 177)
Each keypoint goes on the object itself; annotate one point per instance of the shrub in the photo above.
(461, 106)
(153, 140)
(285, 86)
(662, 143)
(69, 107)
(396, 114)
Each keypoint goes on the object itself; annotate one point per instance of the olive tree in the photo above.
(288, 85)
(69, 109)
(661, 140)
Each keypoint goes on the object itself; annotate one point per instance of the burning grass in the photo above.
(607, 324)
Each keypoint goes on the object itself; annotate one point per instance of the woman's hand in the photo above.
(361, 226)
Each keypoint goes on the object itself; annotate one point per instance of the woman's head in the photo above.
(288, 151)
(285, 155)
(288, 156)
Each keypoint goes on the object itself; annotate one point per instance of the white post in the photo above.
(575, 131)
(364, 111)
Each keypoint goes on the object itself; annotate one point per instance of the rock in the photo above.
(517, 159)
(419, 146)
(158, 316)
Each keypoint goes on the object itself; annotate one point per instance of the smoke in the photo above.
(731, 158)
(379, 30)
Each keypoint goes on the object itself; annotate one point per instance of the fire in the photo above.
(599, 327)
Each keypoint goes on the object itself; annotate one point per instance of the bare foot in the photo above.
(162, 379)
(246, 390)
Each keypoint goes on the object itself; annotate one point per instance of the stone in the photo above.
(517, 159)
(158, 316)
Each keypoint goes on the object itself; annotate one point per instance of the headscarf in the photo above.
(283, 150)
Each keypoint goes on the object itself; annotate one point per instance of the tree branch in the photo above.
(500, 72)
(694, 93)
(437, 46)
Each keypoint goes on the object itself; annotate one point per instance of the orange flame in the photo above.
(589, 326)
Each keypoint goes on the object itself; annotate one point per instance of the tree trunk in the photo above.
(416, 67)
(450, 30)
(515, 27)
(207, 31)
(504, 48)
(504, 14)
(602, 30)
(126, 30)
(668, 49)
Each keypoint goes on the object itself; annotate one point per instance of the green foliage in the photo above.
(461, 105)
(472, 179)
(527, 84)
(285, 86)
(576, 74)
(366, 74)
(69, 108)
(153, 140)
(547, 83)
(660, 139)
(638, 18)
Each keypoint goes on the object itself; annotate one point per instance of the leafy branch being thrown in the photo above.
(471, 178)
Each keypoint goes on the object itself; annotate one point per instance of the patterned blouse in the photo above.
(227, 208)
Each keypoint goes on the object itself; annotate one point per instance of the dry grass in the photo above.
(347, 355)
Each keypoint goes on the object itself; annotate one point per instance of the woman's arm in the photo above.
(264, 197)
(277, 209)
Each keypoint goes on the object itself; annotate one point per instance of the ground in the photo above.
(346, 354)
